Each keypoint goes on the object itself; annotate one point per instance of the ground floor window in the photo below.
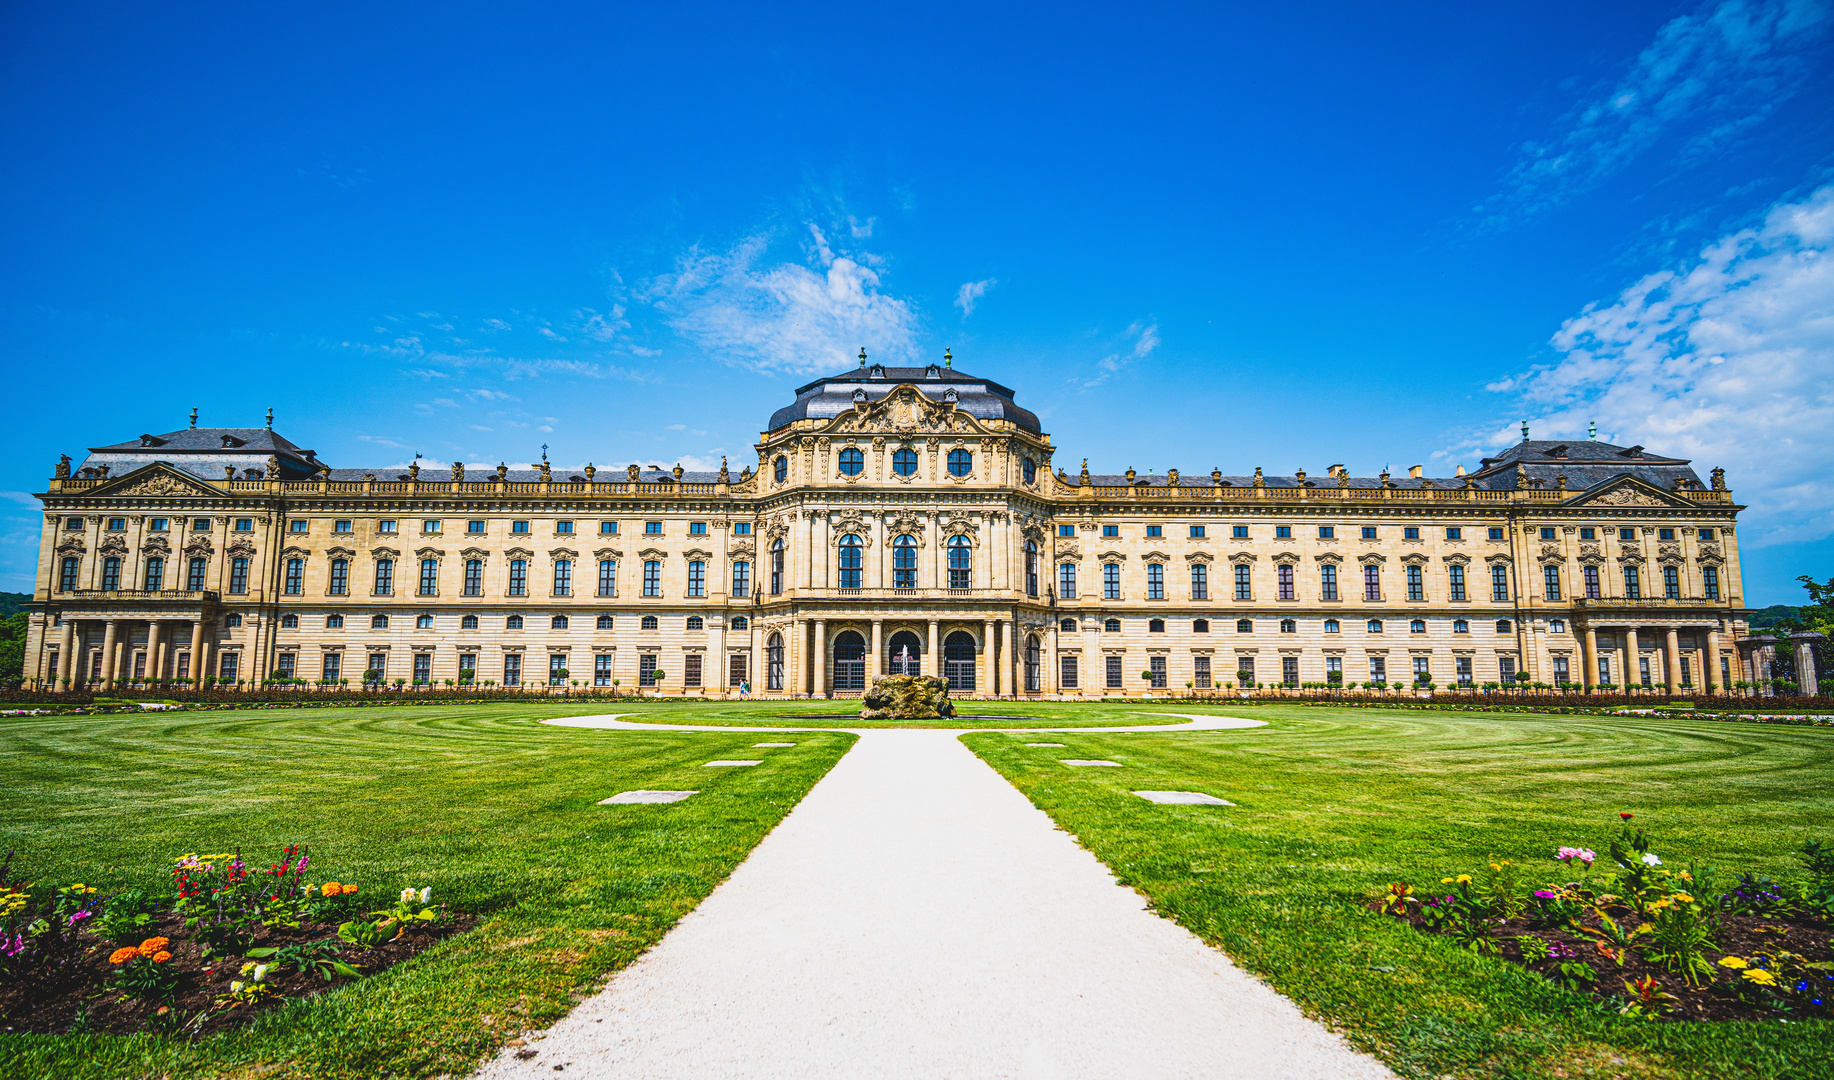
(378, 668)
(332, 669)
(1506, 667)
(1334, 670)
(690, 669)
(1643, 670)
(1114, 671)
(557, 669)
(1200, 672)
(512, 669)
(646, 669)
(906, 653)
(1687, 672)
(423, 668)
(850, 662)
(1156, 665)
(1289, 670)
(773, 659)
(1725, 671)
(1378, 669)
(227, 668)
(286, 663)
(601, 669)
(958, 661)
(1604, 670)
(736, 669)
(1561, 671)
(468, 667)
(1067, 673)
(1462, 666)
(1423, 670)
(1245, 670)
(1033, 666)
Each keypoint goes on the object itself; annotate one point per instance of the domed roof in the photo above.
(978, 397)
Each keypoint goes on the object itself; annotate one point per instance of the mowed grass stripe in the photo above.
(1333, 804)
(498, 813)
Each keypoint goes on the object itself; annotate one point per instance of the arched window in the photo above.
(1332, 626)
(558, 622)
(1067, 626)
(961, 557)
(423, 622)
(1503, 626)
(1244, 626)
(773, 663)
(1029, 469)
(1375, 626)
(1417, 626)
(906, 654)
(604, 623)
(514, 622)
(777, 568)
(904, 562)
(469, 622)
(1200, 626)
(852, 461)
(1111, 626)
(648, 623)
(849, 662)
(1033, 662)
(961, 463)
(1031, 568)
(958, 661)
(1155, 626)
(1289, 626)
(850, 562)
(740, 622)
(336, 622)
(781, 469)
(376, 622)
(904, 461)
(696, 623)
(289, 622)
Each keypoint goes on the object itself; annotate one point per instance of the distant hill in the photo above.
(12, 603)
(1764, 618)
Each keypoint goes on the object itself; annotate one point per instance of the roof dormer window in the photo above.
(230, 442)
(148, 440)
(1557, 452)
(1633, 452)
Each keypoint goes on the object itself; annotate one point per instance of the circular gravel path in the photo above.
(916, 916)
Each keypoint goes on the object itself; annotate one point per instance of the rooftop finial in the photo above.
(194, 419)
(270, 418)
(1524, 431)
(948, 360)
(1592, 430)
(544, 452)
(862, 356)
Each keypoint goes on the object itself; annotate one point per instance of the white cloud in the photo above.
(381, 440)
(970, 292)
(743, 309)
(602, 326)
(1722, 69)
(1727, 360)
(1136, 343)
(496, 324)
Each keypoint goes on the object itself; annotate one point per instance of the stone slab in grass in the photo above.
(773, 744)
(623, 797)
(1082, 763)
(730, 764)
(1044, 744)
(1183, 798)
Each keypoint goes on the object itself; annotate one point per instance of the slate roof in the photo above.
(978, 397)
(205, 452)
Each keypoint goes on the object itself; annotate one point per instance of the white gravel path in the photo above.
(916, 916)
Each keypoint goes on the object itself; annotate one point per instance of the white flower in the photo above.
(1649, 859)
(426, 895)
(407, 896)
(236, 987)
(260, 972)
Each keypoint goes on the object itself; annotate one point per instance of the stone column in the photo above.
(1590, 668)
(67, 653)
(1633, 659)
(1015, 659)
(1048, 678)
(808, 557)
(153, 645)
(932, 660)
(939, 562)
(1672, 649)
(874, 667)
(1806, 676)
(1709, 666)
(984, 671)
(108, 650)
(819, 653)
(197, 652)
(717, 647)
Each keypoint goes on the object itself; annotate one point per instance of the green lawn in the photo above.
(977, 714)
(497, 813)
(1336, 803)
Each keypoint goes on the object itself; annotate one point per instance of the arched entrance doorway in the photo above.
(906, 654)
(958, 662)
(849, 663)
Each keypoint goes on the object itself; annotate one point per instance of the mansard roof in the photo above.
(981, 398)
(206, 452)
(1586, 463)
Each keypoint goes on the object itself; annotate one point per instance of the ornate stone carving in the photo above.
(741, 552)
(1243, 557)
(1331, 557)
(71, 544)
(1286, 558)
(563, 553)
(648, 554)
(608, 553)
(113, 545)
(1669, 551)
(374, 553)
(1456, 559)
(1199, 557)
(1628, 496)
(474, 553)
(1371, 559)
(162, 483)
(1155, 557)
(1415, 559)
(156, 545)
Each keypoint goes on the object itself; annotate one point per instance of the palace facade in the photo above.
(898, 520)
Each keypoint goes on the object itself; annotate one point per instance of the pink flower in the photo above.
(1584, 855)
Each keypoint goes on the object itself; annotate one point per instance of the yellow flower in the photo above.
(1760, 976)
(1464, 879)
(1733, 962)
(1445, 881)
(1684, 898)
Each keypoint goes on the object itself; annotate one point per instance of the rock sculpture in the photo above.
(908, 697)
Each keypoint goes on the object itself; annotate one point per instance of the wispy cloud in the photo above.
(1136, 343)
(1708, 76)
(1727, 359)
(970, 293)
(746, 308)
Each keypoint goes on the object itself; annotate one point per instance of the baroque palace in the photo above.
(900, 520)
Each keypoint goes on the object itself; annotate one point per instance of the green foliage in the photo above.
(367, 935)
(127, 917)
(313, 956)
(12, 647)
(1680, 935)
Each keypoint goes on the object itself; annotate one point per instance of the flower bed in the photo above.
(1649, 940)
(224, 942)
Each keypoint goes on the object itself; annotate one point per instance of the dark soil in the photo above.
(86, 1000)
(1717, 997)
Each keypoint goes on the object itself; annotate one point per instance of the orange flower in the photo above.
(348, 889)
(331, 888)
(152, 945)
(123, 955)
(161, 956)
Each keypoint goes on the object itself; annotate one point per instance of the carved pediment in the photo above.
(777, 529)
(608, 553)
(1331, 557)
(241, 545)
(519, 553)
(1499, 559)
(1243, 557)
(429, 553)
(71, 544)
(294, 551)
(1286, 558)
(1457, 560)
(1415, 559)
(1668, 552)
(1630, 557)
(1154, 557)
(333, 551)
(649, 554)
(742, 552)
(1371, 559)
(1199, 557)
(113, 544)
(697, 554)
(1709, 553)
(1112, 556)
(156, 545)
(563, 553)
(158, 479)
(374, 553)
(1629, 491)
(960, 525)
(896, 524)
(1550, 553)
(903, 411)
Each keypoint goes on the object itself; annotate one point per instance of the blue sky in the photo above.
(1190, 237)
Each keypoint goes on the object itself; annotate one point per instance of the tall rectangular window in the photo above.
(646, 669)
(1562, 672)
(1156, 665)
(1066, 581)
(340, 575)
(1550, 582)
(697, 579)
(1244, 586)
(1200, 581)
(229, 665)
(333, 667)
(1462, 666)
(238, 575)
(652, 578)
(1590, 574)
(1155, 581)
(1283, 580)
(512, 669)
(1499, 583)
(1372, 582)
(601, 670)
(385, 577)
(1423, 669)
(518, 577)
(156, 574)
(1200, 672)
(1633, 583)
(296, 577)
(563, 577)
(1113, 671)
(1416, 588)
(1111, 581)
(1671, 582)
(738, 669)
(66, 574)
(741, 580)
(690, 670)
(557, 669)
(1289, 670)
(1067, 676)
(468, 667)
(474, 577)
(1327, 582)
(608, 577)
(777, 573)
(111, 572)
(429, 577)
(1710, 574)
(423, 668)
(1455, 581)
